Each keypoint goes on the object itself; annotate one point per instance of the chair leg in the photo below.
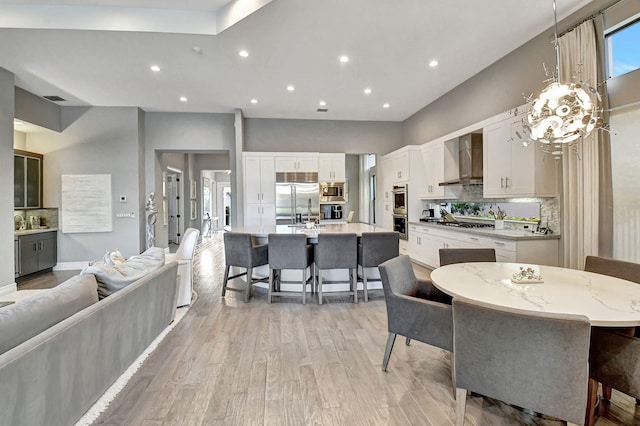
(592, 399)
(319, 287)
(407, 342)
(606, 392)
(226, 279)
(353, 278)
(304, 286)
(247, 292)
(461, 405)
(364, 285)
(272, 274)
(391, 338)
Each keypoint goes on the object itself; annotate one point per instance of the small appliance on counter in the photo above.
(428, 215)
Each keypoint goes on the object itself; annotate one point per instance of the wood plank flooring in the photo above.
(230, 363)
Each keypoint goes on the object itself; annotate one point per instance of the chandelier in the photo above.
(563, 112)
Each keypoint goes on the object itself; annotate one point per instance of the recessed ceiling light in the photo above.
(155, 68)
(183, 99)
(433, 63)
(254, 101)
(17, 123)
(344, 59)
(291, 88)
(322, 103)
(367, 91)
(385, 105)
(243, 53)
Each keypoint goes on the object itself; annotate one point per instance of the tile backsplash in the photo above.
(549, 207)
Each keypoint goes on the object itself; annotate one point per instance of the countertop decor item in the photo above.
(526, 276)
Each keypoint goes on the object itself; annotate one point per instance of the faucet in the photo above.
(309, 210)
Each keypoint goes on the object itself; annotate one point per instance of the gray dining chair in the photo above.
(337, 251)
(614, 361)
(415, 308)
(375, 248)
(463, 255)
(241, 251)
(629, 271)
(534, 360)
(287, 252)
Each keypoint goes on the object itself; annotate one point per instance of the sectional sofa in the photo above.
(63, 348)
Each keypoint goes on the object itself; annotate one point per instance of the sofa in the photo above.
(63, 348)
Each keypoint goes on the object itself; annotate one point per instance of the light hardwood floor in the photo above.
(230, 363)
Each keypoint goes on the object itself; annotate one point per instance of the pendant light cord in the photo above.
(556, 45)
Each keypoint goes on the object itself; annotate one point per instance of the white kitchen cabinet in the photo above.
(433, 158)
(511, 169)
(400, 170)
(259, 190)
(298, 162)
(425, 242)
(387, 216)
(331, 168)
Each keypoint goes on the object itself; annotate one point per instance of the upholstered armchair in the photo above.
(415, 308)
(533, 360)
(184, 257)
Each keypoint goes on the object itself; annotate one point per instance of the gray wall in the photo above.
(101, 141)
(36, 110)
(7, 103)
(352, 166)
(181, 132)
(351, 137)
(498, 88)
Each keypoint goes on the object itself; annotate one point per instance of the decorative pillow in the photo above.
(117, 276)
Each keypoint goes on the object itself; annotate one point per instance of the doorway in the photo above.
(174, 210)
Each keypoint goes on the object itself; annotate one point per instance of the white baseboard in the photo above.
(9, 288)
(70, 266)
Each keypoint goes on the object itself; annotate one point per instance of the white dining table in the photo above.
(606, 301)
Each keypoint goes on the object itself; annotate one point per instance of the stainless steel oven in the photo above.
(331, 192)
(400, 200)
(400, 225)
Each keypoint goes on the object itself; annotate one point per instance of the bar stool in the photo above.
(337, 251)
(240, 251)
(375, 248)
(289, 251)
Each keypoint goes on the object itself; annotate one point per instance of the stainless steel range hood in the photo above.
(469, 161)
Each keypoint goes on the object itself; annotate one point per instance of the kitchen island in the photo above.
(262, 233)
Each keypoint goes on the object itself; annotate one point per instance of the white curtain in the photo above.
(580, 160)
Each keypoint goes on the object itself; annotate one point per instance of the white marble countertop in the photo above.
(357, 228)
(35, 231)
(507, 234)
(605, 300)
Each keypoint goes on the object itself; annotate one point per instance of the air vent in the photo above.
(322, 109)
(54, 98)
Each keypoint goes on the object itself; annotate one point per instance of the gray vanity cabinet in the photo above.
(36, 252)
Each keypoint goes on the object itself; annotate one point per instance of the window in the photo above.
(623, 49)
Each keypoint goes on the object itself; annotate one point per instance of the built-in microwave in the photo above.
(331, 192)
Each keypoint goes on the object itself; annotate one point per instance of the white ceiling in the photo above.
(389, 43)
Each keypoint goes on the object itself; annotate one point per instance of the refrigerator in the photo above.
(296, 198)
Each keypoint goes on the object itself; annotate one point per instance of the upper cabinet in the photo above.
(299, 162)
(512, 169)
(433, 158)
(331, 168)
(400, 166)
(27, 180)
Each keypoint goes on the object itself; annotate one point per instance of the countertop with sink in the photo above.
(507, 234)
(34, 231)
